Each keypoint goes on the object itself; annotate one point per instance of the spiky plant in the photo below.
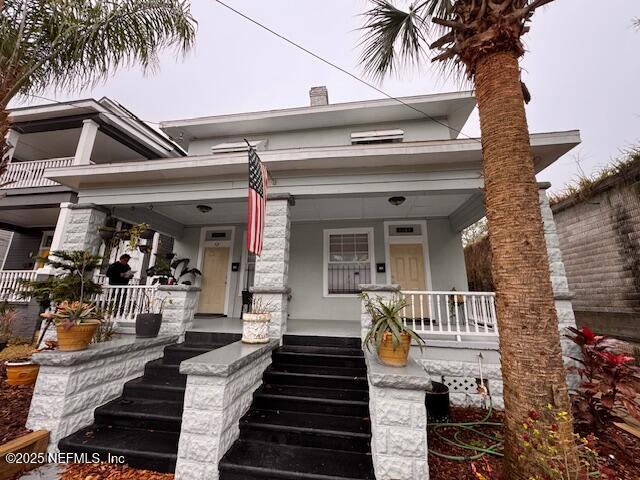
(73, 44)
(482, 39)
(386, 318)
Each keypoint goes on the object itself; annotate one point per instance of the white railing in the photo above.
(101, 279)
(451, 313)
(124, 302)
(31, 174)
(10, 284)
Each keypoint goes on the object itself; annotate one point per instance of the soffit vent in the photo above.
(377, 136)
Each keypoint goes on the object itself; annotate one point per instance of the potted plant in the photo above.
(76, 323)
(173, 272)
(7, 314)
(138, 232)
(391, 337)
(255, 322)
(149, 319)
(22, 371)
(106, 233)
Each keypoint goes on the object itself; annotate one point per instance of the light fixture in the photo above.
(204, 208)
(395, 201)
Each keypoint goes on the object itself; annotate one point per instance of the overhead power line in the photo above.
(339, 68)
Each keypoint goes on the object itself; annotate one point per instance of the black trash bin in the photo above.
(437, 403)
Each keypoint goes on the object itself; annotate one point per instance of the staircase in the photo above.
(143, 424)
(309, 419)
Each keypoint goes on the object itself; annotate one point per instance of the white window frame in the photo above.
(325, 259)
(408, 239)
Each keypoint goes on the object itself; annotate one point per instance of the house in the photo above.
(599, 229)
(368, 196)
(82, 132)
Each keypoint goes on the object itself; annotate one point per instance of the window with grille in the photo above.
(348, 261)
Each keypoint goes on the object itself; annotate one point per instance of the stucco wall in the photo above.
(446, 262)
(415, 130)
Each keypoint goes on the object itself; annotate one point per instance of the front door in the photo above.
(407, 266)
(215, 265)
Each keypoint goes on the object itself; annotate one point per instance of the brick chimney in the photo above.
(319, 96)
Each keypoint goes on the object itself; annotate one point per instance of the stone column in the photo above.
(398, 420)
(385, 292)
(272, 267)
(86, 142)
(80, 230)
(179, 304)
(559, 282)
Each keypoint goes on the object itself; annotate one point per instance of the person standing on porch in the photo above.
(119, 272)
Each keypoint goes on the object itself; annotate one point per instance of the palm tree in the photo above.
(72, 44)
(483, 40)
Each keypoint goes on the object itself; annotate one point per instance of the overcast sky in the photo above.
(582, 68)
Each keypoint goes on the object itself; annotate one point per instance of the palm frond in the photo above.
(393, 38)
(70, 44)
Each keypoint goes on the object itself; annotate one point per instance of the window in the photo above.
(348, 260)
(377, 136)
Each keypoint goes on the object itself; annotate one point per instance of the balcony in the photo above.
(31, 174)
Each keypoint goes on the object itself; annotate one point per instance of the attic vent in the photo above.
(377, 136)
(237, 146)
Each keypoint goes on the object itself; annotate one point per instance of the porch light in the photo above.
(395, 201)
(204, 208)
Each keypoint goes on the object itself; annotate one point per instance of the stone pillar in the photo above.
(559, 282)
(383, 291)
(80, 231)
(86, 142)
(272, 267)
(220, 386)
(398, 420)
(179, 303)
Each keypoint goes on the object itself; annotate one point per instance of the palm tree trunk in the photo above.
(532, 366)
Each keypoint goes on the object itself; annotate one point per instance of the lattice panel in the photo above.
(463, 384)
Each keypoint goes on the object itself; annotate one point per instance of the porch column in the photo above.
(272, 267)
(559, 282)
(86, 142)
(12, 139)
(80, 228)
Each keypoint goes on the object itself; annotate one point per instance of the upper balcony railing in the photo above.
(31, 174)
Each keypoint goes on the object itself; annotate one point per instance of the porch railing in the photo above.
(124, 302)
(101, 279)
(451, 313)
(31, 174)
(10, 284)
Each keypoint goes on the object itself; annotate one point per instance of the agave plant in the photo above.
(386, 317)
(69, 314)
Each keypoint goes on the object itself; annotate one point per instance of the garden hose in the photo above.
(494, 449)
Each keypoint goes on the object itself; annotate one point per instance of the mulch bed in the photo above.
(14, 401)
(618, 450)
(110, 471)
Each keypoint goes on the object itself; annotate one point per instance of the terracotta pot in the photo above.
(394, 355)
(22, 372)
(148, 325)
(255, 327)
(77, 337)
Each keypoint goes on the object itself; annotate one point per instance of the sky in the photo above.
(582, 68)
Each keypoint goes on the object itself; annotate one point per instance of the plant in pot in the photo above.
(391, 337)
(21, 371)
(255, 322)
(76, 323)
(173, 272)
(140, 231)
(149, 317)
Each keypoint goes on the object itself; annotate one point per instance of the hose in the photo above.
(495, 448)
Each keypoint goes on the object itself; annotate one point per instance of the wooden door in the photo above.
(407, 266)
(215, 265)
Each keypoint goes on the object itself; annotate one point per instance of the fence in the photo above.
(451, 313)
(124, 302)
(10, 284)
(31, 174)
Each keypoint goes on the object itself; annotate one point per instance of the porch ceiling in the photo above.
(29, 218)
(318, 208)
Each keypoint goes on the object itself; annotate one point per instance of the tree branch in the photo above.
(450, 23)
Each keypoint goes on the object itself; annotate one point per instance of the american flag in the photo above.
(258, 182)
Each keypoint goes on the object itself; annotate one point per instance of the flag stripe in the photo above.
(257, 197)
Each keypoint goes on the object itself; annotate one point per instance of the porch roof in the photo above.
(547, 148)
